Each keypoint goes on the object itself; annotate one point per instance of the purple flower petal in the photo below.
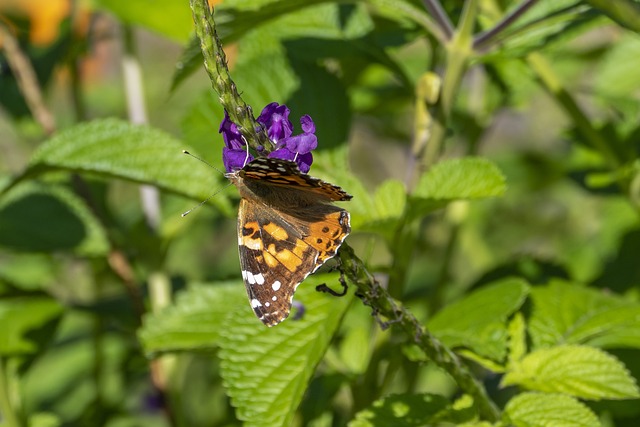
(283, 154)
(230, 133)
(266, 113)
(303, 143)
(304, 162)
(276, 119)
(307, 124)
(235, 159)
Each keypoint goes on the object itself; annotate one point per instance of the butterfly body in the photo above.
(287, 229)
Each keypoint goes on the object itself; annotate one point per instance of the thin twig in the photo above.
(482, 39)
(27, 81)
(435, 8)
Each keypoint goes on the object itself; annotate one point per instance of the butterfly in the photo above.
(287, 229)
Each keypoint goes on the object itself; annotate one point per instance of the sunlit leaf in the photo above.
(544, 409)
(580, 371)
(478, 322)
(465, 178)
(114, 148)
(266, 370)
(574, 314)
(154, 16)
(195, 320)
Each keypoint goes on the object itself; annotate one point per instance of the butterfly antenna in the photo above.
(202, 160)
(204, 201)
(211, 196)
(246, 144)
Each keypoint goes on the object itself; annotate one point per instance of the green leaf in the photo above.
(276, 80)
(154, 16)
(616, 73)
(260, 27)
(402, 410)
(322, 96)
(387, 208)
(28, 272)
(448, 180)
(293, 18)
(114, 148)
(190, 61)
(546, 24)
(465, 178)
(543, 410)
(44, 419)
(580, 371)
(266, 370)
(624, 12)
(517, 338)
(403, 11)
(26, 323)
(28, 211)
(195, 320)
(482, 328)
(573, 314)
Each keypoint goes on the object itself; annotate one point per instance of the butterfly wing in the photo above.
(280, 248)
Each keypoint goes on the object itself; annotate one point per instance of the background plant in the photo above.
(492, 151)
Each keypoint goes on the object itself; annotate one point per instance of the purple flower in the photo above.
(274, 118)
(234, 154)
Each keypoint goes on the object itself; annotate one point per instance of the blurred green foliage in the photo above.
(495, 171)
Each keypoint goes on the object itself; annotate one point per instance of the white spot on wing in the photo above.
(253, 279)
(255, 303)
(276, 285)
(267, 304)
(273, 298)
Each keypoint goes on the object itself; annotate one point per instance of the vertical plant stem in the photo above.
(8, 411)
(459, 51)
(215, 62)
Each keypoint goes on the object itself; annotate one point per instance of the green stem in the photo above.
(459, 50)
(10, 417)
(373, 295)
(215, 62)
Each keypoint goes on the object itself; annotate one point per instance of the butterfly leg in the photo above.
(324, 288)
